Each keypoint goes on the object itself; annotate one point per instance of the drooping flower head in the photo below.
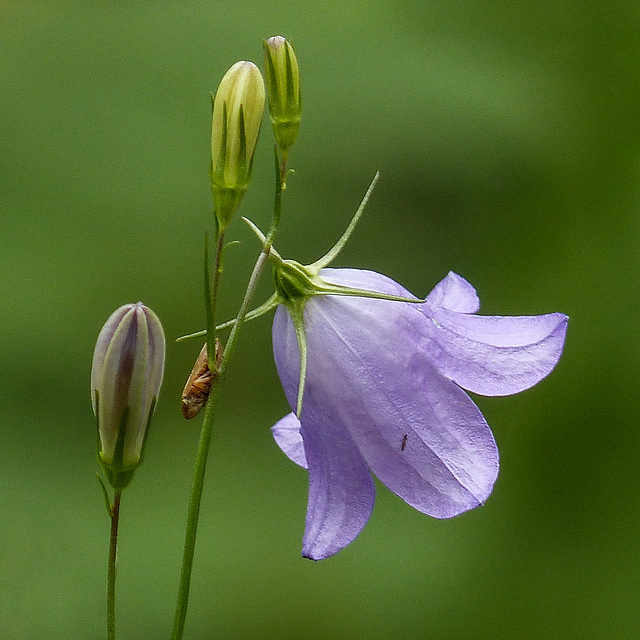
(384, 395)
(126, 376)
(383, 379)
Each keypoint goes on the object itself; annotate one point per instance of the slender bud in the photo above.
(237, 114)
(283, 85)
(128, 365)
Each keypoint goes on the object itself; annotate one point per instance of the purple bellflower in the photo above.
(384, 395)
(376, 380)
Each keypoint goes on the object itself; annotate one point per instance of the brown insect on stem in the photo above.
(196, 391)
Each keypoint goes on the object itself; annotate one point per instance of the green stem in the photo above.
(211, 295)
(257, 269)
(204, 444)
(201, 460)
(111, 580)
(210, 411)
(194, 512)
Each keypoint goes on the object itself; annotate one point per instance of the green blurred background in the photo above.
(507, 134)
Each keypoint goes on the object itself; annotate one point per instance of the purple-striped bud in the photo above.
(126, 376)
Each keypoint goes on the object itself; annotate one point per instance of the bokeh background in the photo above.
(507, 135)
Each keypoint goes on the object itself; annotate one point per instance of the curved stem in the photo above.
(212, 404)
(204, 445)
(257, 269)
(111, 580)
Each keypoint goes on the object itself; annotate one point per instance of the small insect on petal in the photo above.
(196, 392)
(404, 441)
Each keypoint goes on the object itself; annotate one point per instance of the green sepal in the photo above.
(296, 311)
(118, 474)
(265, 307)
(338, 246)
(293, 282)
(227, 196)
(220, 162)
(244, 167)
(226, 200)
(107, 500)
(120, 478)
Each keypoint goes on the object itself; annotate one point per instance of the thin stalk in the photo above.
(111, 580)
(193, 515)
(257, 268)
(211, 295)
(204, 443)
(206, 431)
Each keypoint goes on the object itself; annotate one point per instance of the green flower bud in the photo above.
(283, 85)
(126, 375)
(237, 114)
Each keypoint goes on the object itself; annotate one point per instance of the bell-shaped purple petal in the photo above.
(383, 393)
(490, 355)
(341, 490)
(454, 293)
(286, 433)
(370, 385)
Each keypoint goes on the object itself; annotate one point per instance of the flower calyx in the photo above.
(295, 283)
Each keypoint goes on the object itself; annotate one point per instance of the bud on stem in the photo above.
(128, 365)
(283, 85)
(237, 114)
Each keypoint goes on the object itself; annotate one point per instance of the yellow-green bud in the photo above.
(283, 85)
(128, 365)
(237, 114)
